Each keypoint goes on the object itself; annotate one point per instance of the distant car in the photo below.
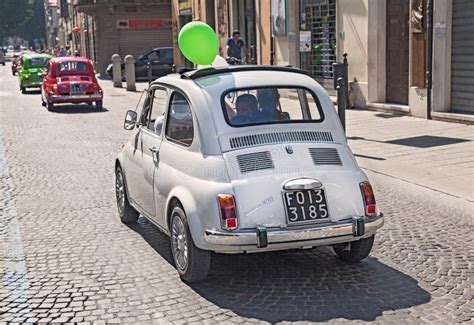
(70, 80)
(16, 62)
(32, 70)
(161, 60)
(2, 58)
(244, 159)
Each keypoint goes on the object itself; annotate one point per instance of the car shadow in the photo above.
(298, 285)
(76, 109)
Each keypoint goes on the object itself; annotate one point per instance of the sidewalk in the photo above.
(433, 154)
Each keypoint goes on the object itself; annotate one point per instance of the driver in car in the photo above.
(246, 107)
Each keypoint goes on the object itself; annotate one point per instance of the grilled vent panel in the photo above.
(280, 137)
(325, 156)
(255, 161)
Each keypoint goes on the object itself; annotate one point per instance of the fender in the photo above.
(187, 200)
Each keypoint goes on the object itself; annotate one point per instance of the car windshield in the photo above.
(269, 105)
(38, 61)
(72, 67)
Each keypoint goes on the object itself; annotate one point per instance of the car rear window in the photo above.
(72, 67)
(269, 105)
(38, 61)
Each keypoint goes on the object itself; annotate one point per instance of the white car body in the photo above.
(197, 174)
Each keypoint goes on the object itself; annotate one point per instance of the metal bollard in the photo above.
(149, 71)
(341, 83)
(341, 100)
(130, 73)
(117, 70)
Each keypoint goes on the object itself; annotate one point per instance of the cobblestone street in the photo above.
(66, 256)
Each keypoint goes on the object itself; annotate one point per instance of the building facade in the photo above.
(102, 28)
(387, 42)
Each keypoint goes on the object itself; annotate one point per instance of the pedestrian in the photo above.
(235, 45)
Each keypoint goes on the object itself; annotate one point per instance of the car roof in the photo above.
(36, 55)
(162, 48)
(70, 59)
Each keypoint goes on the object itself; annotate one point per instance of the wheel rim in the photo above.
(120, 192)
(180, 243)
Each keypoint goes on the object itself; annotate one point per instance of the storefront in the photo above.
(462, 61)
(318, 20)
(130, 27)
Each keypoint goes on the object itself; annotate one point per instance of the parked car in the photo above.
(32, 70)
(2, 58)
(243, 159)
(161, 60)
(70, 80)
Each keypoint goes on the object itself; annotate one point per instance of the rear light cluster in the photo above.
(228, 211)
(369, 199)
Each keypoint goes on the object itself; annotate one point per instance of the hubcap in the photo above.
(180, 243)
(120, 192)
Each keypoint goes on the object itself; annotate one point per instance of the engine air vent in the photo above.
(279, 137)
(325, 156)
(255, 161)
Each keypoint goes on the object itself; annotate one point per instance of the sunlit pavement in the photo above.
(66, 257)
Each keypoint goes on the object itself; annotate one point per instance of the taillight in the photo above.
(369, 199)
(228, 211)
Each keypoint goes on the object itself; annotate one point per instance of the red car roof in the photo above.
(71, 58)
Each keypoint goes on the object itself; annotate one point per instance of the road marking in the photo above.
(15, 278)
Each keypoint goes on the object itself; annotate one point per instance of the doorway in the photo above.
(397, 55)
(244, 18)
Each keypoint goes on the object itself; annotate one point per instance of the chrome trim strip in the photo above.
(295, 234)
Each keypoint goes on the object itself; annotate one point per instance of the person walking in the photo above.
(235, 46)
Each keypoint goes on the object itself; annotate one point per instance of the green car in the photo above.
(32, 70)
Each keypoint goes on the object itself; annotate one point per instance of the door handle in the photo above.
(155, 152)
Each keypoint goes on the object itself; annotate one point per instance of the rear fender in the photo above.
(188, 202)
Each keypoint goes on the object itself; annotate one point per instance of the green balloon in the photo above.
(198, 42)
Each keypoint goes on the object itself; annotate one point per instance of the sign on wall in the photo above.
(305, 41)
(185, 7)
(278, 18)
(144, 23)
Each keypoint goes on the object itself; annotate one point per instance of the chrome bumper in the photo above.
(73, 97)
(356, 227)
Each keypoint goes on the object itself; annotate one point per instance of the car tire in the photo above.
(49, 106)
(192, 263)
(23, 90)
(358, 250)
(98, 105)
(126, 212)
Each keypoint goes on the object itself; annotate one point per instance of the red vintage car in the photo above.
(16, 62)
(70, 80)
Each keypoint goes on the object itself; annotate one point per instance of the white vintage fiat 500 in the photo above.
(243, 159)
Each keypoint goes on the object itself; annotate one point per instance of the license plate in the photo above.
(306, 206)
(76, 89)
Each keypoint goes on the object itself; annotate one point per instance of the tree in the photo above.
(13, 14)
(34, 28)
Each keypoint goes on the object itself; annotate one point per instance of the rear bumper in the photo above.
(56, 99)
(321, 234)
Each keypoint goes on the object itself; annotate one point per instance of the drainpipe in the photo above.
(429, 59)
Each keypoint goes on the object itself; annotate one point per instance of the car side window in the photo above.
(179, 127)
(154, 108)
(158, 109)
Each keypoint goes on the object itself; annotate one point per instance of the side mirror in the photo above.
(130, 120)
